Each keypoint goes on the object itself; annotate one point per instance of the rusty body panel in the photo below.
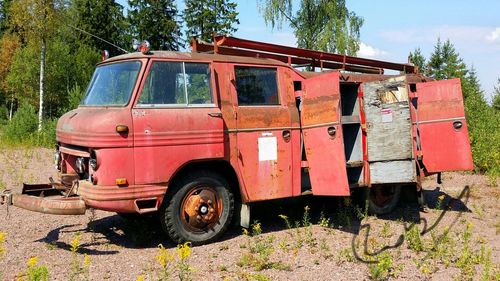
(257, 128)
(323, 138)
(442, 128)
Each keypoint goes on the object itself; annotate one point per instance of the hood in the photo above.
(95, 127)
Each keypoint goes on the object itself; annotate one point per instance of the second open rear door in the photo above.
(323, 139)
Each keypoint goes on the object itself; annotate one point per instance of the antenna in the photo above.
(99, 38)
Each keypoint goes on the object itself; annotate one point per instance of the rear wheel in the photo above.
(383, 199)
(199, 209)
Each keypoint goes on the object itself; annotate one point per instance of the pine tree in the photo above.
(483, 126)
(418, 59)
(496, 97)
(156, 21)
(320, 25)
(104, 19)
(203, 18)
(445, 62)
(4, 15)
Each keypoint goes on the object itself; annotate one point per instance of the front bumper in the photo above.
(60, 199)
(45, 198)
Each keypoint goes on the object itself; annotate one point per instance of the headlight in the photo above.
(93, 160)
(80, 165)
(57, 159)
(93, 164)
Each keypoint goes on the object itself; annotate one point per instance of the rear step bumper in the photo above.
(47, 199)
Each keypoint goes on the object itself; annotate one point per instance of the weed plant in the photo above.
(34, 272)
(177, 260)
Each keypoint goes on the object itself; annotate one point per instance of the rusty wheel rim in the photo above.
(201, 209)
(381, 196)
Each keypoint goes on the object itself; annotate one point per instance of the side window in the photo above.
(198, 83)
(256, 85)
(177, 83)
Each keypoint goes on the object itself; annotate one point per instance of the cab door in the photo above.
(322, 131)
(441, 126)
(176, 120)
(264, 131)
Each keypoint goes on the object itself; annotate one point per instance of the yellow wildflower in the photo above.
(283, 217)
(184, 251)
(245, 231)
(32, 262)
(86, 260)
(164, 256)
(75, 243)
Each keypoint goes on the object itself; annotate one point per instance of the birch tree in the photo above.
(324, 25)
(36, 21)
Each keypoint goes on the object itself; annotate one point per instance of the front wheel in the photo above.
(199, 210)
(383, 199)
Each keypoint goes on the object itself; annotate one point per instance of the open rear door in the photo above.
(442, 128)
(323, 139)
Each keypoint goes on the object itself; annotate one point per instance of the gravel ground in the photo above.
(117, 249)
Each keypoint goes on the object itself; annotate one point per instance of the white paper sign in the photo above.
(386, 115)
(268, 149)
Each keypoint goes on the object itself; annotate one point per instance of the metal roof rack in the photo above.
(297, 57)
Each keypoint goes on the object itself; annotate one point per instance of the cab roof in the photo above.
(184, 56)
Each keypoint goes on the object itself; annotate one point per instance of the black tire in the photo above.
(383, 199)
(198, 209)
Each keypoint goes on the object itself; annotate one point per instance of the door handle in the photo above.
(286, 135)
(332, 131)
(457, 125)
(215, 114)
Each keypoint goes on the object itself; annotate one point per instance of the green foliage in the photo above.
(22, 129)
(484, 127)
(156, 21)
(104, 19)
(320, 25)
(496, 97)
(445, 62)
(75, 96)
(418, 59)
(413, 239)
(4, 16)
(205, 17)
(259, 255)
(22, 125)
(383, 268)
(35, 272)
(4, 114)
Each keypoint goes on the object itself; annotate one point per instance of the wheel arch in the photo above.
(221, 167)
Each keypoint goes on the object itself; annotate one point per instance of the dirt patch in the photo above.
(456, 237)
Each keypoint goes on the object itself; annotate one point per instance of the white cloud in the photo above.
(494, 36)
(368, 51)
(282, 38)
(456, 33)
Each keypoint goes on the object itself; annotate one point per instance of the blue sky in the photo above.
(394, 28)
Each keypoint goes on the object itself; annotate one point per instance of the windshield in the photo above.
(112, 84)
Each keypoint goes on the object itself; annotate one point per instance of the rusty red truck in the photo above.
(198, 137)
